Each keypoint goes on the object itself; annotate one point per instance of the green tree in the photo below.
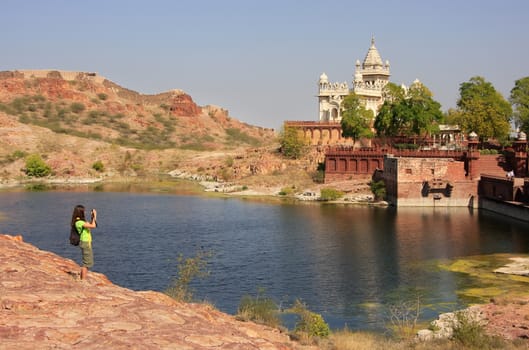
(293, 144)
(483, 110)
(411, 113)
(452, 116)
(386, 121)
(520, 101)
(425, 112)
(35, 166)
(356, 120)
(393, 93)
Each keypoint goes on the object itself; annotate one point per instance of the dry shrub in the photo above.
(346, 340)
(403, 317)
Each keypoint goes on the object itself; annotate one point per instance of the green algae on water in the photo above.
(479, 283)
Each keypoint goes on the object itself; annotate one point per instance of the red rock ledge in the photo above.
(43, 305)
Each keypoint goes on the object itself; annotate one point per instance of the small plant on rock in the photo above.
(188, 270)
(319, 175)
(287, 191)
(470, 332)
(309, 322)
(229, 161)
(77, 107)
(330, 194)
(378, 188)
(98, 166)
(260, 309)
(35, 166)
(16, 155)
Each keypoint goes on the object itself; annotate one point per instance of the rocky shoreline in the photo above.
(11, 183)
(506, 317)
(43, 302)
(354, 193)
(44, 305)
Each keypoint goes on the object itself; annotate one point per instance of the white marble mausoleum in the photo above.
(369, 79)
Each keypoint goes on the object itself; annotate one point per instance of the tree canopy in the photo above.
(412, 112)
(520, 101)
(393, 93)
(293, 144)
(356, 119)
(483, 110)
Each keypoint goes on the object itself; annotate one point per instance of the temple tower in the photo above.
(369, 80)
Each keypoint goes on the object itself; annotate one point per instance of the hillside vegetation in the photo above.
(93, 128)
(105, 111)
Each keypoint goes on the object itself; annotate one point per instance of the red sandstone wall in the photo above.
(405, 180)
(491, 164)
(425, 169)
(464, 193)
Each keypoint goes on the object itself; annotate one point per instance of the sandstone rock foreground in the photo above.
(44, 305)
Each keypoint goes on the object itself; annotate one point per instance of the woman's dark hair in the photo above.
(78, 214)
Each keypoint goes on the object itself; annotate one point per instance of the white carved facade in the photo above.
(369, 80)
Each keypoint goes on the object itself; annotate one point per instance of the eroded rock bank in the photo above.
(44, 305)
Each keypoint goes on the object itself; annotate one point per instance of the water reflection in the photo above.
(346, 262)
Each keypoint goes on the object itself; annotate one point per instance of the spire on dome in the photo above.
(373, 57)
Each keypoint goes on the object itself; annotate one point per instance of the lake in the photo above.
(345, 262)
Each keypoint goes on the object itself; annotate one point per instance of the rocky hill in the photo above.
(43, 305)
(75, 119)
(85, 104)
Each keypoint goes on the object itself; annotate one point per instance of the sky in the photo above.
(261, 60)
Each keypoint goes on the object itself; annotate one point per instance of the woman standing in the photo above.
(85, 242)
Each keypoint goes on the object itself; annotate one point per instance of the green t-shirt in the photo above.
(86, 235)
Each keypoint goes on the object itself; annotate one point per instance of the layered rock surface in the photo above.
(44, 305)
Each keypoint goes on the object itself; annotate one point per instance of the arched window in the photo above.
(334, 114)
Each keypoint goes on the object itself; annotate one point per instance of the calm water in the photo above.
(347, 263)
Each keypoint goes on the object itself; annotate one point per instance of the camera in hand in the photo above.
(92, 214)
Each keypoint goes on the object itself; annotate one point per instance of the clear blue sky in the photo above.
(261, 60)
